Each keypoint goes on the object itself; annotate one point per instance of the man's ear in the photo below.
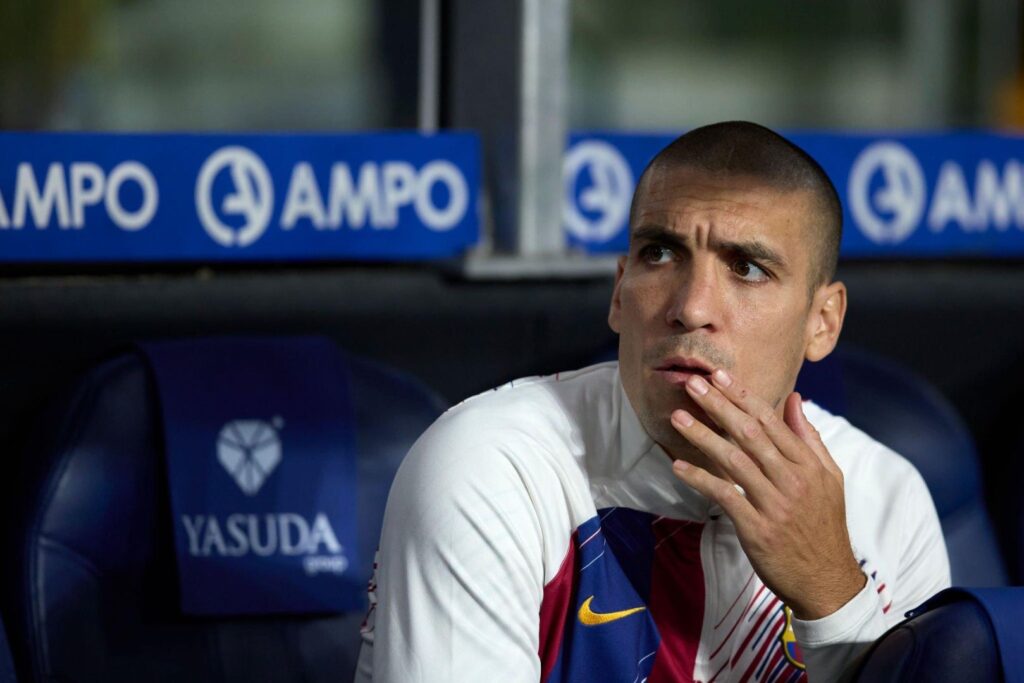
(825, 322)
(615, 309)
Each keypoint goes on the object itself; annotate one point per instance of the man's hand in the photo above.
(792, 521)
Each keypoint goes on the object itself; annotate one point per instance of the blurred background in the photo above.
(158, 65)
(521, 74)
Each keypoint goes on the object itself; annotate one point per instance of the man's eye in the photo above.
(749, 271)
(654, 253)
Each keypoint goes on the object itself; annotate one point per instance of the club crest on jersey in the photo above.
(790, 647)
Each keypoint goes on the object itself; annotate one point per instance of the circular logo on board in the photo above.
(889, 213)
(597, 210)
(252, 197)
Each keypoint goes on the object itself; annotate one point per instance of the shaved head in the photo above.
(748, 150)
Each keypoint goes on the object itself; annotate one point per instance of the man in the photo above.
(681, 515)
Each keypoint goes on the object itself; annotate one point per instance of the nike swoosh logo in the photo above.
(589, 617)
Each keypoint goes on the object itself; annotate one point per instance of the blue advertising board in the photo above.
(178, 197)
(68, 197)
(955, 195)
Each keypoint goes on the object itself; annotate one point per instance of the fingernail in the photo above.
(722, 377)
(681, 465)
(684, 417)
(698, 384)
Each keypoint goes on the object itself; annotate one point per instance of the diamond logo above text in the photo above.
(249, 450)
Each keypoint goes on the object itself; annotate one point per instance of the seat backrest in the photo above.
(6, 661)
(953, 641)
(906, 413)
(95, 595)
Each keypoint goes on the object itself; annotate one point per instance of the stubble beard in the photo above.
(657, 403)
(657, 422)
(691, 345)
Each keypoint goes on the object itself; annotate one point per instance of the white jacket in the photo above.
(536, 532)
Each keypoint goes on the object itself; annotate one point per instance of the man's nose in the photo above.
(696, 300)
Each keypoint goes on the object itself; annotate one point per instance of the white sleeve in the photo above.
(830, 643)
(459, 578)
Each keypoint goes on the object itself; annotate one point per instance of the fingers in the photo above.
(751, 422)
(794, 417)
(729, 458)
(732, 502)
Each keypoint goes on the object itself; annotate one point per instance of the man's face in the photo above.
(717, 275)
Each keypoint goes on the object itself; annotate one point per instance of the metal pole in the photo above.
(930, 46)
(544, 81)
(507, 81)
(430, 67)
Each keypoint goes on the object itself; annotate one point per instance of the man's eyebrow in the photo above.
(656, 233)
(754, 250)
(750, 249)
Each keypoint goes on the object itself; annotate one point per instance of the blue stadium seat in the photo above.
(95, 596)
(910, 416)
(949, 639)
(6, 661)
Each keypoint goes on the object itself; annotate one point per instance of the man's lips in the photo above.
(677, 370)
